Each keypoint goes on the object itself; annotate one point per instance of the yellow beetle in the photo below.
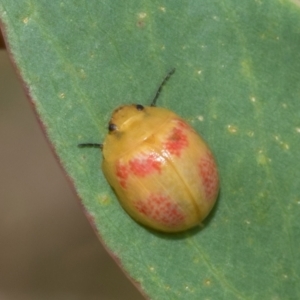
(161, 170)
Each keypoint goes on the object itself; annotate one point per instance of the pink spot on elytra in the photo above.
(145, 165)
(161, 209)
(122, 174)
(176, 141)
(209, 175)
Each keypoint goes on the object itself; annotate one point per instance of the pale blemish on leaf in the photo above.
(162, 8)
(263, 36)
(283, 144)
(103, 199)
(232, 128)
(298, 129)
(246, 68)
(142, 15)
(261, 158)
(250, 133)
(82, 74)
(25, 20)
(286, 146)
(200, 118)
(152, 269)
(207, 282)
(141, 19)
(61, 95)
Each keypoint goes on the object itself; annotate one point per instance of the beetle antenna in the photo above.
(171, 72)
(90, 145)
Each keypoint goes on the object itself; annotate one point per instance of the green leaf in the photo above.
(236, 81)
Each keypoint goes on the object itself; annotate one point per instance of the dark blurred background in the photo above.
(48, 250)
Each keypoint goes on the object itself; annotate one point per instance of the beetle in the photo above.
(162, 171)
